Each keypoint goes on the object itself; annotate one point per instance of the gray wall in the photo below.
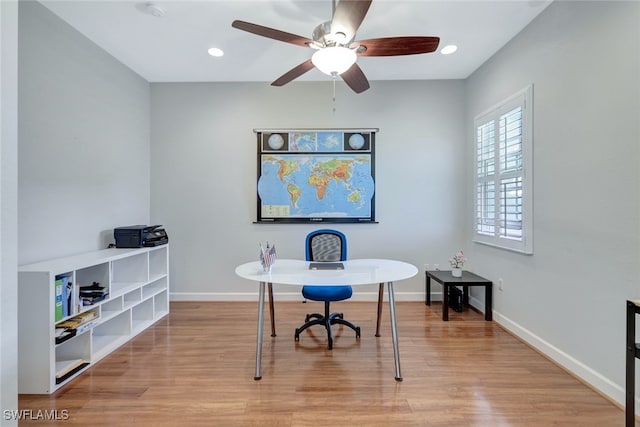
(84, 140)
(568, 299)
(8, 209)
(203, 185)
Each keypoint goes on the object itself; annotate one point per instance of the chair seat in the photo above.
(327, 293)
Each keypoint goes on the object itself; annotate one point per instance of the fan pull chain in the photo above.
(334, 95)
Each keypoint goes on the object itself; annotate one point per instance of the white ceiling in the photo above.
(173, 48)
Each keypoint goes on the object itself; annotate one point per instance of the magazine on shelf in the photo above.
(78, 320)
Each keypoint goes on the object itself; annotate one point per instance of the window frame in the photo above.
(491, 119)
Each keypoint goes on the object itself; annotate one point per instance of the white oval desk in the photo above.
(356, 272)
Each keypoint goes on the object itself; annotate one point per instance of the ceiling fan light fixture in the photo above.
(334, 60)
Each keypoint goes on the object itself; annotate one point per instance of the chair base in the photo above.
(326, 320)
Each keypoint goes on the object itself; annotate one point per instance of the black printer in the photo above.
(138, 236)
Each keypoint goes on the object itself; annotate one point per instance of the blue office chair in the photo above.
(326, 246)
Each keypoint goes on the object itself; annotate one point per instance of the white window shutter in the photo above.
(503, 174)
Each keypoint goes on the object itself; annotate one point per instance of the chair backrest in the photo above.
(326, 246)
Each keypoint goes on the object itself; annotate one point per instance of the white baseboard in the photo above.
(597, 381)
(286, 296)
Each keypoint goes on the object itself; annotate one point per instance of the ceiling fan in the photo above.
(336, 50)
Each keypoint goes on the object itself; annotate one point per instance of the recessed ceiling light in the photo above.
(154, 9)
(214, 51)
(449, 49)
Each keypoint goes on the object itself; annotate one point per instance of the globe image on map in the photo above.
(356, 141)
(275, 141)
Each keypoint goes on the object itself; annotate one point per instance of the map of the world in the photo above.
(316, 185)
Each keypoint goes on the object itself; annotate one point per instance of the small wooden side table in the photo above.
(468, 278)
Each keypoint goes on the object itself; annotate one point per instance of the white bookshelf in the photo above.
(138, 285)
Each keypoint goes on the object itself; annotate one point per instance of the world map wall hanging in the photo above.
(307, 176)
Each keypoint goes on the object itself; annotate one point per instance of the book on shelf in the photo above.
(75, 299)
(60, 286)
(86, 326)
(66, 368)
(78, 320)
(92, 294)
(63, 288)
(86, 301)
(63, 334)
(69, 299)
(76, 325)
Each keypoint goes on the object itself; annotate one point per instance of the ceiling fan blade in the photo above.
(271, 33)
(355, 79)
(348, 16)
(294, 73)
(393, 46)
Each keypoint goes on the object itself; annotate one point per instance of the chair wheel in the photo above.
(297, 335)
(358, 332)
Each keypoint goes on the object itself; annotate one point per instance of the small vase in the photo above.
(456, 272)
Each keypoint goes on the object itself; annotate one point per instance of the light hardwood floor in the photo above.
(196, 367)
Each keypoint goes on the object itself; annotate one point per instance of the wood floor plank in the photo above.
(196, 367)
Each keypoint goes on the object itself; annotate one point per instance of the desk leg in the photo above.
(465, 295)
(380, 297)
(445, 303)
(427, 289)
(488, 307)
(394, 331)
(271, 311)
(259, 334)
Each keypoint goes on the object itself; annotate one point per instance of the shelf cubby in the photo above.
(132, 298)
(131, 269)
(75, 351)
(95, 273)
(161, 304)
(110, 308)
(78, 347)
(141, 316)
(158, 262)
(108, 335)
(154, 287)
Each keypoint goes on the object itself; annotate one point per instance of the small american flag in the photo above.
(267, 256)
